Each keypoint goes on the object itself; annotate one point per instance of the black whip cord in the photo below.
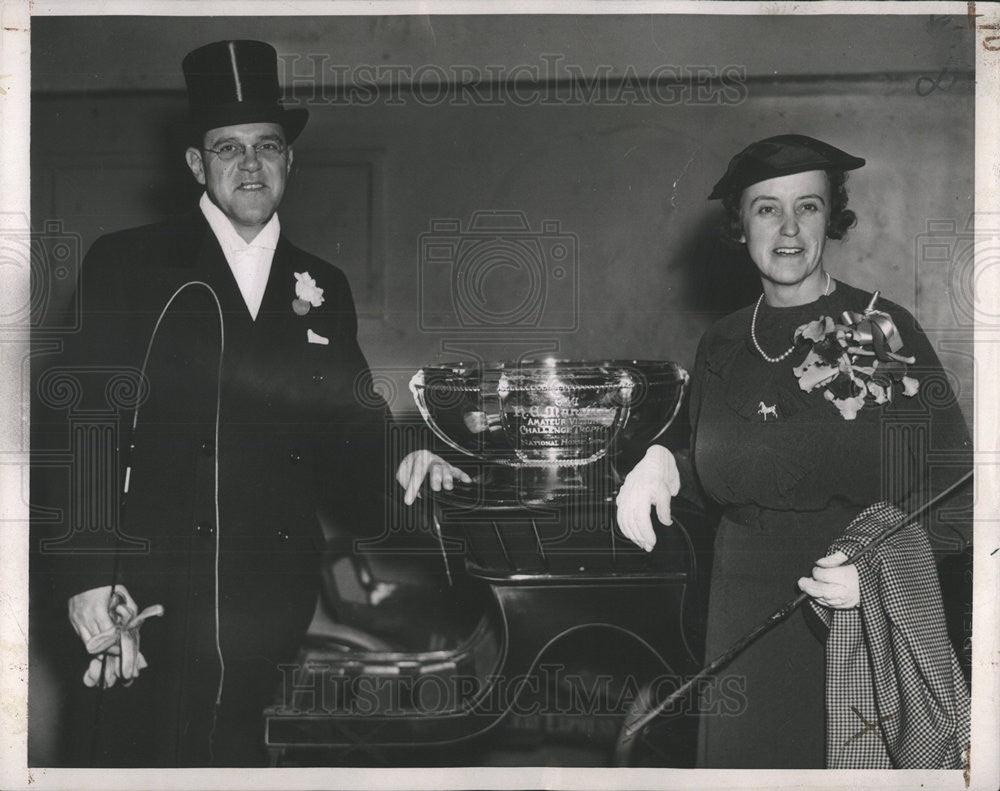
(642, 712)
(99, 703)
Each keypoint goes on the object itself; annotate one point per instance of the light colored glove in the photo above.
(423, 464)
(652, 482)
(109, 625)
(113, 670)
(832, 584)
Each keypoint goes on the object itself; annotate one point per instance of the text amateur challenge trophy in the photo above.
(539, 427)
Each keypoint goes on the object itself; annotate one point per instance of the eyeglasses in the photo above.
(269, 150)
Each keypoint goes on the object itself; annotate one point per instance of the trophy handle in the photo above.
(685, 378)
(417, 387)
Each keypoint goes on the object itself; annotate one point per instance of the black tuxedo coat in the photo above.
(299, 429)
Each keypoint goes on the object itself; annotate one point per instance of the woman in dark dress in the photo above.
(791, 467)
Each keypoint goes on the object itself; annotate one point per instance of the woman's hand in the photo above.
(423, 464)
(653, 481)
(832, 584)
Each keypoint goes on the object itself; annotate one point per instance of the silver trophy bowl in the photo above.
(548, 413)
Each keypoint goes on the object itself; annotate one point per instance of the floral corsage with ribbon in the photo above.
(855, 361)
(307, 294)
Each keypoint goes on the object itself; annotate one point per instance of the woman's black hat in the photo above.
(236, 82)
(782, 155)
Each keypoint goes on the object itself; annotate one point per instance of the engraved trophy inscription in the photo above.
(547, 422)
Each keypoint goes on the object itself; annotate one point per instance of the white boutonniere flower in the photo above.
(307, 294)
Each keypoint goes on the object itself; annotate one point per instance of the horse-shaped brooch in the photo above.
(768, 410)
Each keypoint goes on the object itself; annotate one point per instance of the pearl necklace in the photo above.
(753, 329)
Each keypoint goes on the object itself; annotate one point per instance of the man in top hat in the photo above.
(256, 411)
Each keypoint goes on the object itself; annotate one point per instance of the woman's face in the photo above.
(784, 226)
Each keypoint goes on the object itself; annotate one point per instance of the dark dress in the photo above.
(789, 482)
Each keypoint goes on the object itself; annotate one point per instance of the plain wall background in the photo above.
(626, 183)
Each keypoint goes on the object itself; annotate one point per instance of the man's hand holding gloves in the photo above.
(108, 622)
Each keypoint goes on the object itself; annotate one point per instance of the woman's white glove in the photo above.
(833, 584)
(652, 482)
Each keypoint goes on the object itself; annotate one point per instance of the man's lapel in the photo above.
(280, 290)
(194, 247)
(277, 337)
(276, 318)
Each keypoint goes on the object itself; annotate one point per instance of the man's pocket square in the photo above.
(314, 337)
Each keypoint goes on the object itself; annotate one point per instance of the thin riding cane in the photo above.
(635, 722)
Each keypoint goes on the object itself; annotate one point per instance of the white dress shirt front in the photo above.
(249, 263)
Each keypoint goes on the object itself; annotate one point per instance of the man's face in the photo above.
(248, 188)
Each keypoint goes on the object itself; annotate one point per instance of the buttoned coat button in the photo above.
(204, 528)
(318, 377)
(207, 447)
(282, 535)
(294, 456)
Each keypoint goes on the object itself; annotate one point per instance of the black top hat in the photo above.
(782, 155)
(236, 82)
